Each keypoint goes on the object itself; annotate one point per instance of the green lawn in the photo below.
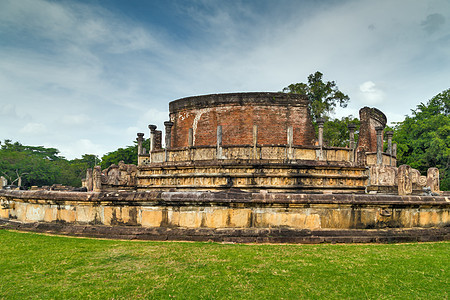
(40, 266)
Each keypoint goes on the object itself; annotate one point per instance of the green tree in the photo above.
(423, 139)
(323, 96)
(36, 165)
(336, 133)
(127, 154)
(28, 165)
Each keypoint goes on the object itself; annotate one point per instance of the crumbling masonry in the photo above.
(262, 142)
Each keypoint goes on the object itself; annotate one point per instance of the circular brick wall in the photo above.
(273, 113)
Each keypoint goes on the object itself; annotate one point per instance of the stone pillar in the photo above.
(290, 141)
(158, 140)
(97, 179)
(219, 142)
(255, 141)
(389, 135)
(394, 150)
(140, 140)
(404, 180)
(191, 137)
(320, 122)
(89, 180)
(433, 180)
(351, 128)
(168, 125)
(152, 137)
(379, 130)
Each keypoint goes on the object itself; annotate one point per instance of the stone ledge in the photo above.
(233, 235)
(240, 99)
(226, 197)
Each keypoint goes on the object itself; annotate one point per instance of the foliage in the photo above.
(323, 96)
(36, 165)
(423, 139)
(336, 133)
(128, 155)
(54, 267)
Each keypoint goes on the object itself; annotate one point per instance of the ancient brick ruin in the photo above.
(261, 141)
(247, 167)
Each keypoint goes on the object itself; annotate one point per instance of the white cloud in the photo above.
(370, 94)
(33, 128)
(80, 119)
(84, 146)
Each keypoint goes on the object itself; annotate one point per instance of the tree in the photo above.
(36, 165)
(128, 155)
(423, 140)
(336, 133)
(323, 96)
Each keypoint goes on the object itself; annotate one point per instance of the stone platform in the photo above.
(232, 216)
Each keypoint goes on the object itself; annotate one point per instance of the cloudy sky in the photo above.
(86, 76)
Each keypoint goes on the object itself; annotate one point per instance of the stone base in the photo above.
(236, 235)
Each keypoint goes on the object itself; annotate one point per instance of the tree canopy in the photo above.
(323, 96)
(36, 165)
(128, 155)
(423, 139)
(336, 133)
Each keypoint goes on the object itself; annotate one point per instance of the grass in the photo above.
(41, 266)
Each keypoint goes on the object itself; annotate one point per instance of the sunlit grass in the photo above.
(40, 266)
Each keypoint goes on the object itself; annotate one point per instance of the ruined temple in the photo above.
(247, 167)
(262, 142)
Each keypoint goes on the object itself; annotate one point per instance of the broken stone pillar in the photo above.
(152, 136)
(219, 142)
(97, 179)
(191, 137)
(168, 126)
(320, 122)
(158, 140)
(379, 130)
(370, 118)
(351, 128)
(433, 180)
(140, 140)
(255, 141)
(89, 180)
(389, 135)
(404, 180)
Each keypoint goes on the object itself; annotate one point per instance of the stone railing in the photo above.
(276, 153)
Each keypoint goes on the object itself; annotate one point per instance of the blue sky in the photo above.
(86, 76)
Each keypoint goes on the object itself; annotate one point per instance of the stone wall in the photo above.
(226, 210)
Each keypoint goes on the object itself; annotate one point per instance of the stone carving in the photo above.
(415, 174)
(3, 182)
(120, 175)
(433, 179)
(404, 180)
(422, 181)
(89, 180)
(383, 175)
(97, 179)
